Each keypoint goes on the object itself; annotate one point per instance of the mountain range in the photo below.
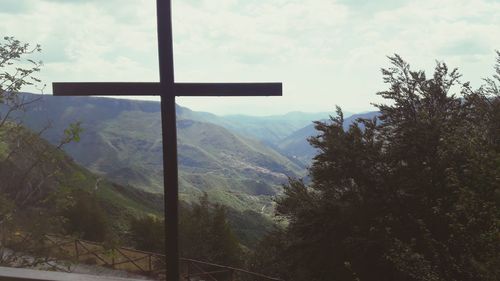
(42, 179)
(239, 161)
(296, 145)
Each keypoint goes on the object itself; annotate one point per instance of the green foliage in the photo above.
(15, 75)
(148, 233)
(269, 257)
(410, 196)
(249, 227)
(205, 234)
(29, 164)
(86, 218)
(17, 70)
(72, 133)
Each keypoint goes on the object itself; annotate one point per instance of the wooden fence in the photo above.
(199, 270)
(136, 261)
(117, 258)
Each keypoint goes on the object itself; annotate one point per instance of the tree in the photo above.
(412, 195)
(207, 236)
(28, 164)
(225, 247)
(269, 256)
(23, 156)
(148, 234)
(18, 70)
(86, 218)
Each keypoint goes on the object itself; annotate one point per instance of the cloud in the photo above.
(75, 35)
(246, 31)
(465, 47)
(14, 6)
(326, 52)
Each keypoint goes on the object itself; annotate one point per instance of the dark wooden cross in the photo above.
(168, 89)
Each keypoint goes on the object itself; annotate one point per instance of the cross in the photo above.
(168, 89)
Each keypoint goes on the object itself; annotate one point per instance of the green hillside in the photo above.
(235, 171)
(58, 177)
(122, 141)
(32, 170)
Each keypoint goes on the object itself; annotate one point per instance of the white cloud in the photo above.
(326, 52)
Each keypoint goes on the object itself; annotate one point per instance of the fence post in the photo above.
(150, 264)
(113, 258)
(232, 275)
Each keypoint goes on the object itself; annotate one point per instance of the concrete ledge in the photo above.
(21, 274)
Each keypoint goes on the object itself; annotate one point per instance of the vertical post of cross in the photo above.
(169, 132)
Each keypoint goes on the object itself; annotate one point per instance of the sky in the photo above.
(326, 52)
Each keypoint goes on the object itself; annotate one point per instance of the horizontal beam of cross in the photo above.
(154, 89)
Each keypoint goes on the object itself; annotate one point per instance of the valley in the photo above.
(236, 160)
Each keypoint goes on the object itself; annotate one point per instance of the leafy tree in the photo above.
(225, 247)
(22, 153)
(206, 235)
(411, 196)
(29, 166)
(269, 256)
(86, 218)
(148, 233)
(17, 70)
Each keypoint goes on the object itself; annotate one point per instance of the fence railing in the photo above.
(137, 261)
(117, 258)
(215, 272)
(93, 253)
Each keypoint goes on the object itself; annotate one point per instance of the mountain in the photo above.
(32, 170)
(122, 141)
(268, 129)
(297, 147)
(120, 151)
(56, 175)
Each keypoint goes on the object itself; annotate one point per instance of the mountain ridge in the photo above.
(296, 145)
(122, 141)
(224, 156)
(58, 178)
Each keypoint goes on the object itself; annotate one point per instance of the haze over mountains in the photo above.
(240, 161)
(295, 145)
